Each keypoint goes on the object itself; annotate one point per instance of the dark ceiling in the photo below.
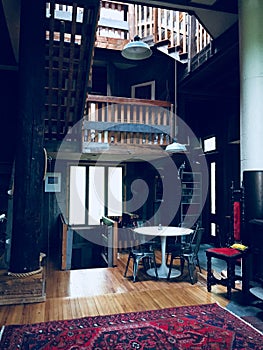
(229, 6)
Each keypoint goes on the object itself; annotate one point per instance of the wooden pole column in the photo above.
(29, 161)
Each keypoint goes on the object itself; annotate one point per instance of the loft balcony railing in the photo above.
(118, 120)
(120, 22)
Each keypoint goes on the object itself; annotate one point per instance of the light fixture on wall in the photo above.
(136, 49)
(175, 147)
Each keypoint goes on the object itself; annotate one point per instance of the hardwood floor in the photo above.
(101, 291)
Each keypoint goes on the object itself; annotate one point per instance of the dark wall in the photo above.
(121, 74)
(145, 173)
(159, 68)
(54, 203)
(217, 116)
(158, 193)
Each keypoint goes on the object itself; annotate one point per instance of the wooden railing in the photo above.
(66, 236)
(151, 23)
(113, 30)
(111, 241)
(106, 237)
(175, 26)
(110, 119)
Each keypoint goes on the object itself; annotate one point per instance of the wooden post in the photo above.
(29, 162)
(115, 244)
(155, 24)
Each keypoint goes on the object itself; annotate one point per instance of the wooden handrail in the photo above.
(127, 120)
(114, 224)
(128, 100)
(65, 238)
(107, 221)
(63, 220)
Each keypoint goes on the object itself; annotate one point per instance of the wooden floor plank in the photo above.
(90, 292)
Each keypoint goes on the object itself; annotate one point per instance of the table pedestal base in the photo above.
(163, 272)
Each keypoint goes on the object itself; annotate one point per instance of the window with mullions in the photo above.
(105, 191)
(102, 192)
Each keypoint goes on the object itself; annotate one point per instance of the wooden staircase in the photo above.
(70, 38)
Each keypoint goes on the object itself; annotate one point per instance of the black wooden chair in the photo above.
(179, 243)
(188, 253)
(143, 252)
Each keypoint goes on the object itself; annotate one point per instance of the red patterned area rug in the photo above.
(206, 326)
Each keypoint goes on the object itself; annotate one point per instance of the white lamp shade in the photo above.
(136, 50)
(175, 147)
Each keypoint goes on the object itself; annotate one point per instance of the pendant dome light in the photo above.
(136, 49)
(175, 147)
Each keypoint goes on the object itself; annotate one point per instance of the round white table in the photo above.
(163, 232)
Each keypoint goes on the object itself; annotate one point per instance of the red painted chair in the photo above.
(231, 257)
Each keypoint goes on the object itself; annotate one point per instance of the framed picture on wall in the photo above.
(53, 182)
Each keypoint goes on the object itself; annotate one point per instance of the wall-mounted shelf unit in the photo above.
(191, 200)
